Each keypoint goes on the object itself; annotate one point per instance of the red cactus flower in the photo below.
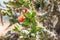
(21, 18)
(25, 10)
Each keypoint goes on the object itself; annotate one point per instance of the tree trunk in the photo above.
(1, 19)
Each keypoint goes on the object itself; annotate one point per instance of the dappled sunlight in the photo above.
(3, 27)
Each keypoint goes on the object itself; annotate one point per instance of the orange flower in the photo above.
(21, 18)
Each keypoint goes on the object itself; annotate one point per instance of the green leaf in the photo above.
(4, 13)
(33, 28)
(28, 15)
(13, 20)
(26, 22)
(39, 28)
(15, 4)
(16, 29)
(33, 14)
(21, 2)
(26, 5)
(5, 2)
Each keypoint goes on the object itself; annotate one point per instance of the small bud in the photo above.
(25, 10)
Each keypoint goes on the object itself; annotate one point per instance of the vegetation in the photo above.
(33, 13)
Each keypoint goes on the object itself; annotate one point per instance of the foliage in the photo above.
(17, 6)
